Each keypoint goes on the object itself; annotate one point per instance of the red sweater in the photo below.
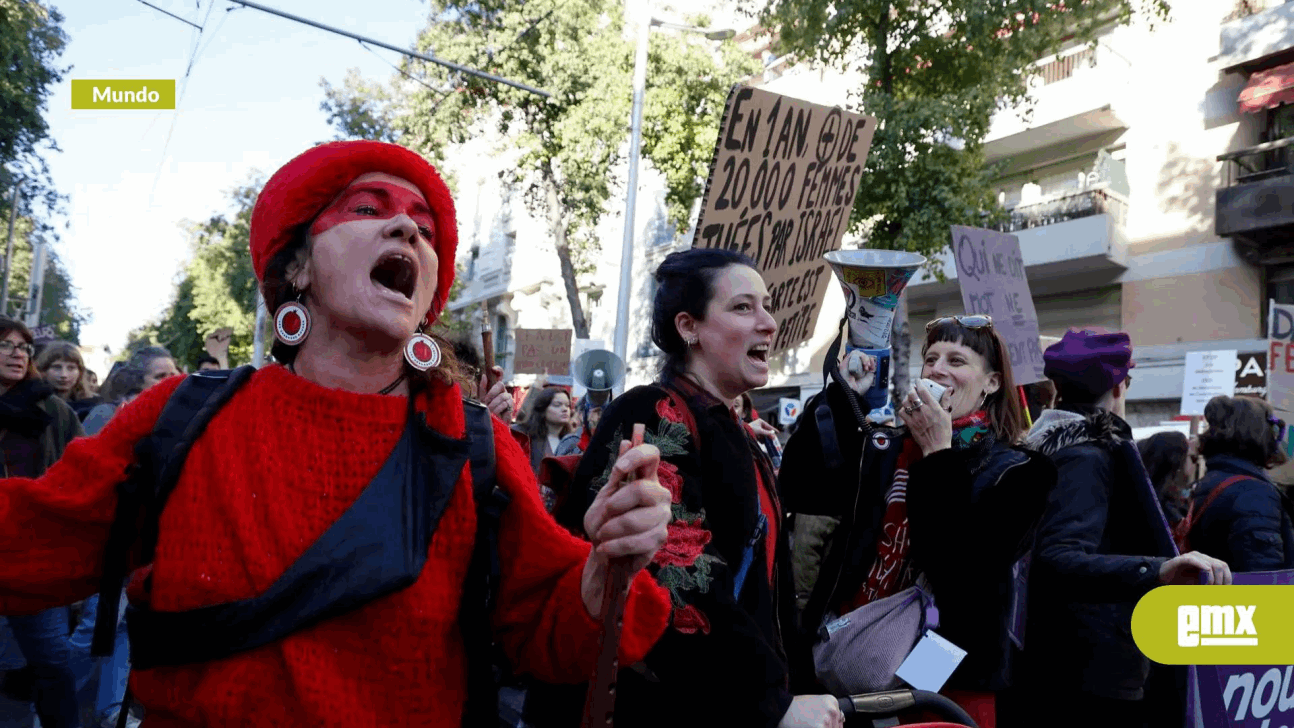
(274, 469)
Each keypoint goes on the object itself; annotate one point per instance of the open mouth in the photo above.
(759, 353)
(397, 272)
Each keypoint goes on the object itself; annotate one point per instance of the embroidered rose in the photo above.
(685, 543)
(689, 620)
(668, 475)
(667, 411)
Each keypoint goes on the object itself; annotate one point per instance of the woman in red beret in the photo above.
(353, 244)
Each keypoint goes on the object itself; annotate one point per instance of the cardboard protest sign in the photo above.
(990, 271)
(1244, 696)
(1280, 357)
(543, 351)
(1208, 374)
(781, 190)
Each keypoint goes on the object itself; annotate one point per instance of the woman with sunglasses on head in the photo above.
(949, 497)
(1238, 514)
(35, 427)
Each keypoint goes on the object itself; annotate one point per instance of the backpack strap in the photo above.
(481, 585)
(1193, 515)
(159, 458)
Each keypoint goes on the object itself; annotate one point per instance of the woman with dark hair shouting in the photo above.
(722, 662)
(339, 483)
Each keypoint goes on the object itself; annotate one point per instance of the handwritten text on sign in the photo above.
(990, 270)
(1280, 361)
(782, 185)
(1246, 696)
(543, 351)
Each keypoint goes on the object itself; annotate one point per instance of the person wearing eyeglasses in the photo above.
(35, 426)
(947, 502)
(1240, 515)
(1103, 544)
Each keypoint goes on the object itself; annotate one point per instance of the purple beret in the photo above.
(1089, 361)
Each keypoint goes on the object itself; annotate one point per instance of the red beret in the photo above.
(303, 187)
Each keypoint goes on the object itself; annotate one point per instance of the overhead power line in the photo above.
(173, 15)
(414, 54)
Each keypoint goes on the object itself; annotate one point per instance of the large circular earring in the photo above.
(421, 351)
(292, 322)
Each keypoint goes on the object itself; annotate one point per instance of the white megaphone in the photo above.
(598, 371)
(872, 281)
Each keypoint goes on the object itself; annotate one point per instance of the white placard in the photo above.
(1208, 374)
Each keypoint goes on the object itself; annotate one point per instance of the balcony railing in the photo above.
(1089, 202)
(1064, 67)
(1273, 159)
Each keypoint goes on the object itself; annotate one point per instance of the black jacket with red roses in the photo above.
(721, 662)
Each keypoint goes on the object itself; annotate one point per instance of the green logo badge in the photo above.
(1216, 625)
(120, 93)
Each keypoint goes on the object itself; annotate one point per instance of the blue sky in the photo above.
(251, 103)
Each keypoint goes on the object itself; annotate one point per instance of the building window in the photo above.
(471, 262)
(1280, 288)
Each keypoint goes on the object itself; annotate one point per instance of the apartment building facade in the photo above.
(1150, 184)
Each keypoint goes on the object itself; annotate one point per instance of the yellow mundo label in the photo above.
(1216, 625)
(123, 93)
(869, 282)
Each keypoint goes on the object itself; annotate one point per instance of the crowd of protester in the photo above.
(769, 573)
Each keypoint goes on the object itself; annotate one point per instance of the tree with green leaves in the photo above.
(216, 289)
(571, 143)
(31, 40)
(59, 306)
(936, 71)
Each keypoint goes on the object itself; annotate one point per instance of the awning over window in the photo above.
(1268, 89)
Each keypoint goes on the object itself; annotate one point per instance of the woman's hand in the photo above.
(497, 399)
(628, 520)
(813, 711)
(929, 421)
(1187, 568)
(859, 370)
(763, 429)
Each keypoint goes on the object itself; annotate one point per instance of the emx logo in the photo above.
(1216, 626)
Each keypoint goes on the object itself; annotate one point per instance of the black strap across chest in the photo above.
(378, 546)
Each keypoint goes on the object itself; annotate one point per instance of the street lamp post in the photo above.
(635, 148)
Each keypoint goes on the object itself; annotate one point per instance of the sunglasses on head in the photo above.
(978, 321)
(1278, 427)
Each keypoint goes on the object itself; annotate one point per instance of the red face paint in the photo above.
(376, 200)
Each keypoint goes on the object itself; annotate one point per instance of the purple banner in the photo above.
(1245, 696)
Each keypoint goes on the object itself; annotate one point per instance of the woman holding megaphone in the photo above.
(903, 529)
(725, 563)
